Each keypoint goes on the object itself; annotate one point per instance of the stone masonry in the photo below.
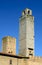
(26, 33)
(9, 45)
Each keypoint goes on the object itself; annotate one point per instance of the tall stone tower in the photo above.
(9, 45)
(26, 33)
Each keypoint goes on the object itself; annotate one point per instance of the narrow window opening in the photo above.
(30, 51)
(10, 61)
(30, 48)
(31, 54)
(28, 12)
(9, 52)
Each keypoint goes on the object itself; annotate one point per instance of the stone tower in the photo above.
(26, 33)
(9, 45)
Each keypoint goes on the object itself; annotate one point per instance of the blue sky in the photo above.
(10, 11)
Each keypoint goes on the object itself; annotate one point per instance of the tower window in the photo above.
(9, 52)
(30, 48)
(30, 51)
(10, 61)
(31, 54)
(28, 12)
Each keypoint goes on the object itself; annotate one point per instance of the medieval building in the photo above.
(26, 44)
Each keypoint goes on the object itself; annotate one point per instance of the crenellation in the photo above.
(36, 59)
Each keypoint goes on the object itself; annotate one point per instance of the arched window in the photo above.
(28, 12)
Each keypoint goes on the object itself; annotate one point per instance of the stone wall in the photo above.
(35, 61)
(7, 60)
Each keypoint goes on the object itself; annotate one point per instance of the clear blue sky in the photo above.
(10, 11)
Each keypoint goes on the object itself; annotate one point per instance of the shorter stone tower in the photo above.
(9, 45)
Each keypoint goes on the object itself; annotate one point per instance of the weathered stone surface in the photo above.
(9, 45)
(26, 33)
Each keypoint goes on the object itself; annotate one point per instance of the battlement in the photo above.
(36, 58)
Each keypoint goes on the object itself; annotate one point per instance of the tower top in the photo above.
(27, 12)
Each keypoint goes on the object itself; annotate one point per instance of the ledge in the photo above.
(14, 56)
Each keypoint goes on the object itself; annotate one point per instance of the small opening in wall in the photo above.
(30, 48)
(31, 54)
(10, 61)
(9, 52)
(28, 12)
